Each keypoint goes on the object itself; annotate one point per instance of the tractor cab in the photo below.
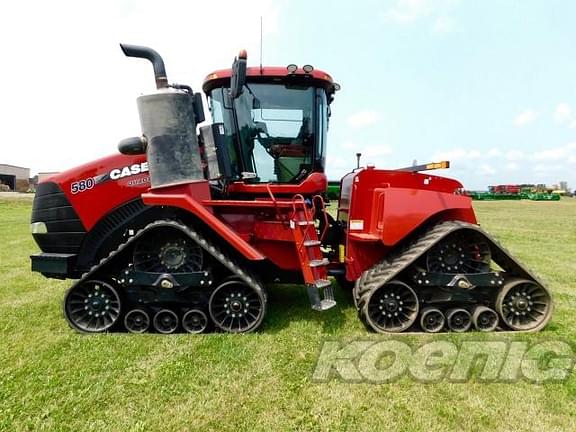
(269, 124)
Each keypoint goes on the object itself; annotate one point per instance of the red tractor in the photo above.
(184, 231)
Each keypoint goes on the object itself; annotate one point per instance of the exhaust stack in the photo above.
(154, 58)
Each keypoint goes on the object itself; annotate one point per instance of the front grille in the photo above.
(65, 229)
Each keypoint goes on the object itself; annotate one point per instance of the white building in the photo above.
(17, 178)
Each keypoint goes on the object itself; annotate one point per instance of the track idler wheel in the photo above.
(484, 319)
(458, 320)
(137, 321)
(524, 305)
(432, 320)
(392, 308)
(92, 306)
(236, 307)
(195, 321)
(165, 321)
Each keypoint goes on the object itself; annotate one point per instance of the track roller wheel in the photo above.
(92, 306)
(524, 305)
(458, 320)
(137, 321)
(484, 319)
(391, 308)
(165, 321)
(236, 307)
(195, 321)
(432, 320)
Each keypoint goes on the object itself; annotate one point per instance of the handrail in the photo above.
(273, 198)
(323, 208)
(298, 198)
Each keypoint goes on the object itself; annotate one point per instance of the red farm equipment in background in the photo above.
(189, 226)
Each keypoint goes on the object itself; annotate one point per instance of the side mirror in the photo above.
(238, 78)
(198, 108)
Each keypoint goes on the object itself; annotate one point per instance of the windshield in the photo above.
(276, 125)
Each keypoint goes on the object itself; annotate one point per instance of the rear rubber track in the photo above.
(391, 266)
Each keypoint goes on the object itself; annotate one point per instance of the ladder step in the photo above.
(318, 303)
(324, 305)
(319, 262)
(312, 243)
(304, 222)
(322, 283)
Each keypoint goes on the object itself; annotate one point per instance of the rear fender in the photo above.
(386, 207)
(188, 197)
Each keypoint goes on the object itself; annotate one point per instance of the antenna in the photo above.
(260, 44)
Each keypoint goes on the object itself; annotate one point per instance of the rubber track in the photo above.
(391, 266)
(210, 248)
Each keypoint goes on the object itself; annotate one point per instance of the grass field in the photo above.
(54, 379)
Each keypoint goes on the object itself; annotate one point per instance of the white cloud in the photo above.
(349, 145)
(525, 117)
(342, 157)
(562, 113)
(511, 166)
(514, 155)
(407, 11)
(443, 24)
(376, 151)
(494, 152)
(567, 152)
(456, 154)
(363, 118)
(565, 115)
(434, 12)
(474, 154)
(338, 162)
(487, 169)
(496, 166)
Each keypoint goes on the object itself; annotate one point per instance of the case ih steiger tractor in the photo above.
(181, 231)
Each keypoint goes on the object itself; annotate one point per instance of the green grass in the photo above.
(54, 379)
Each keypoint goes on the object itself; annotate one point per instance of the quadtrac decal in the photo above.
(115, 174)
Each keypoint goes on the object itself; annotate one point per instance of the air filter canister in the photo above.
(167, 119)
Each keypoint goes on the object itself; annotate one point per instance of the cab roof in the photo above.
(221, 78)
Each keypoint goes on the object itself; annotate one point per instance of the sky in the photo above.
(489, 85)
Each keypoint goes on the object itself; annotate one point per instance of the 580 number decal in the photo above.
(82, 185)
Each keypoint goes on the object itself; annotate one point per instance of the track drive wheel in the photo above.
(460, 252)
(391, 308)
(524, 305)
(237, 307)
(92, 306)
(167, 251)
